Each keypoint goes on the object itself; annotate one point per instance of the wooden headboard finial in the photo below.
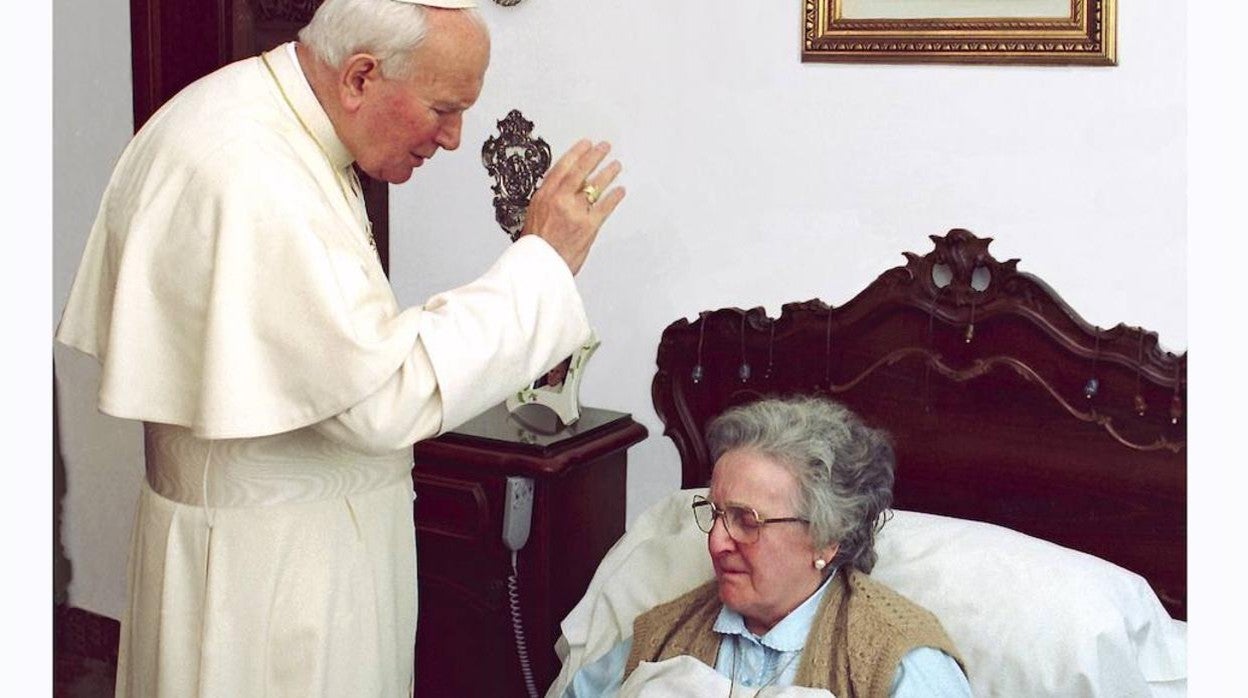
(960, 270)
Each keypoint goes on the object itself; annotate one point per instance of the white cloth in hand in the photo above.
(686, 677)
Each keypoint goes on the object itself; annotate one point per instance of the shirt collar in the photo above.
(789, 635)
(294, 83)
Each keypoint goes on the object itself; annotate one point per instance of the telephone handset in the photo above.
(517, 517)
(517, 512)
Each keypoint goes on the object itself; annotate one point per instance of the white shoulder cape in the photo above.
(227, 285)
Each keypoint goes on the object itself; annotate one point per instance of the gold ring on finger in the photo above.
(591, 193)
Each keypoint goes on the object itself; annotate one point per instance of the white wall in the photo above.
(92, 120)
(753, 179)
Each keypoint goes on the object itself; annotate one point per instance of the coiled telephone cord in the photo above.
(522, 652)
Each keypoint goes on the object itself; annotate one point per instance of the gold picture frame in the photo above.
(1056, 32)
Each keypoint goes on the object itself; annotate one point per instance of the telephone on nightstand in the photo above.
(517, 512)
(517, 518)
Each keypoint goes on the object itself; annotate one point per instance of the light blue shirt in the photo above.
(924, 672)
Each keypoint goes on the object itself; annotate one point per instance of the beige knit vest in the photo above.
(857, 638)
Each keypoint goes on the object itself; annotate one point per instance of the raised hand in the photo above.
(574, 201)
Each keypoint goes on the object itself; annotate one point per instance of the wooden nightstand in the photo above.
(465, 644)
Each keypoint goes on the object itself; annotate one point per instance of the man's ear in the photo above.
(358, 77)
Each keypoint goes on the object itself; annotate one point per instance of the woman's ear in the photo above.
(828, 552)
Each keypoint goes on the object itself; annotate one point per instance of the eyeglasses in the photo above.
(743, 524)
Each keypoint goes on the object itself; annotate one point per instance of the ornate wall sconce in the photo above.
(517, 162)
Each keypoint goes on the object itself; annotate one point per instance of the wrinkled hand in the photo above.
(560, 211)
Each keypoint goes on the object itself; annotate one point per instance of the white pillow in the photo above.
(1031, 618)
(661, 556)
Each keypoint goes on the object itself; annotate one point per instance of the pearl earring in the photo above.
(820, 564)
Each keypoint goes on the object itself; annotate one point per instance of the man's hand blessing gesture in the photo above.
(574, 201)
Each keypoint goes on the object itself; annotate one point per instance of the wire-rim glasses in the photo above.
(742, 523)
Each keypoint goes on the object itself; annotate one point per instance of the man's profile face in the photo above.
(405, 121)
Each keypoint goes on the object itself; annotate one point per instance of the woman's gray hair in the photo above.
(844, 468)
(387, 29)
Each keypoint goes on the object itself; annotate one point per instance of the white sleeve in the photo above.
(477, 344)
(405, 410)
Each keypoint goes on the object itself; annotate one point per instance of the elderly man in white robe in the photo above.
(232, 293)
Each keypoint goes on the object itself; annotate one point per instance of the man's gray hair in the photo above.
(389, 30)
(844, 468)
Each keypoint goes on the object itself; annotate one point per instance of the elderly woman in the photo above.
(799, 488)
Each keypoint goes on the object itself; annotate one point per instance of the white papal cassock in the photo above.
(229, 291)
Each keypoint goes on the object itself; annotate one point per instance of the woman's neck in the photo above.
(761, 626)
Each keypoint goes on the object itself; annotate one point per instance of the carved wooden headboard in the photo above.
(1005, 406)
